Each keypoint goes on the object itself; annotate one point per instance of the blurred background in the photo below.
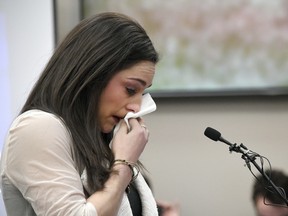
(205, 46)
(184, 165)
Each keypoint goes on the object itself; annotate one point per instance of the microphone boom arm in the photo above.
(247, 155)
(250, 156)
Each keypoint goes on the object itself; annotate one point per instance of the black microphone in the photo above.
(247, 155)
(215, 135)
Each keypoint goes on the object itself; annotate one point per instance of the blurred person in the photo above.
(268, 203)
(57, 158)
(166, 208)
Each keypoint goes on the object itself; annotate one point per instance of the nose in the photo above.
(134, 105)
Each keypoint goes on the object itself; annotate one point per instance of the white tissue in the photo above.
(147, 106)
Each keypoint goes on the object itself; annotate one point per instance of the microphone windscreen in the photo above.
(212, 133)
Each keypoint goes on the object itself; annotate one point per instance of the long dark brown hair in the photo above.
(74, 78)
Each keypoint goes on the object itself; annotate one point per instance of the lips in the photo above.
(116, 119)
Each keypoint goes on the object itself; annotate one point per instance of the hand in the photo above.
(129, 145)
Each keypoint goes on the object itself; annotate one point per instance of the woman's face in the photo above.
(123, 94)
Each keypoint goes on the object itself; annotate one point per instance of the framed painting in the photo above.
(207, 48)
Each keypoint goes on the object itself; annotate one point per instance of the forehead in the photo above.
(143, 66)
(143, 71)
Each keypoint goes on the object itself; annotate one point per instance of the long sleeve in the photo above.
(37, 160)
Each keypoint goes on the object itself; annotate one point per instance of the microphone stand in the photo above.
(248, 157)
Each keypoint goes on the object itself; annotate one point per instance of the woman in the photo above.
(57, 159)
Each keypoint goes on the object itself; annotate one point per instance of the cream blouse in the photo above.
(39, 176)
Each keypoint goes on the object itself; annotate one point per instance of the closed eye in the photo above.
(130, 91)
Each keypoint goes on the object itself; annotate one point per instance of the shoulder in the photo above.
(38, 128)
(36, 117)
(38, 121)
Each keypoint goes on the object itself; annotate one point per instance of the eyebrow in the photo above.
(141, 81)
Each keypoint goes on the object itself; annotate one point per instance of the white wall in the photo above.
(201, 174)
(26, 42)
(184, 165)
(28, 31)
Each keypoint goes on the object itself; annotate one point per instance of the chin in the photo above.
(107, 129)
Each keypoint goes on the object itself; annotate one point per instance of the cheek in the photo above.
(110, 100)
(113, 97)
(111, 92)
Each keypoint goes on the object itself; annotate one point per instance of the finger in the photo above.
(144, 126)
(137, 123)
(123, 126)
(134, 123)
(147, 134)
(142, 123)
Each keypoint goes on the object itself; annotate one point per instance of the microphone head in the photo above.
(212, 134)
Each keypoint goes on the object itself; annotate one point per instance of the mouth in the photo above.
(116, 119)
